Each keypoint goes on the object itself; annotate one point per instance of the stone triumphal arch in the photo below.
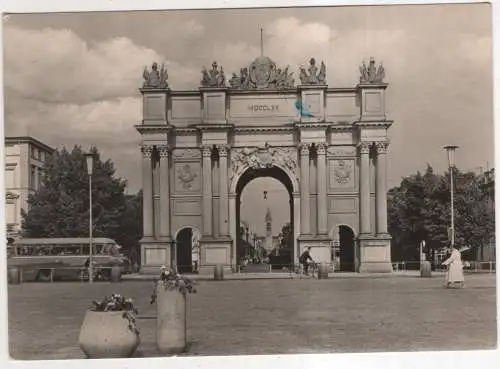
(327, 145)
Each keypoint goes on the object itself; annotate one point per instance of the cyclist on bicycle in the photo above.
(305, 258)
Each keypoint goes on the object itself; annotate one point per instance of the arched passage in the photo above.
(347, 249)
(286, 257)
(183, 252)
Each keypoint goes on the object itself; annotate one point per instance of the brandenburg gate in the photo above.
(327, 145)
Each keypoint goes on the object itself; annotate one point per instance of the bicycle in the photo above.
(298, 270)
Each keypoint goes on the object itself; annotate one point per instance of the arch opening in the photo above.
(184, 251)
(346, 254)
(270, 250)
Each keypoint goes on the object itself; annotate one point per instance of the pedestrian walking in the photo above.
(455, 273)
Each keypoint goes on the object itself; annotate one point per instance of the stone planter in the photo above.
(170, 320)
(425, 269)
(323, 271)
(14, 275)
(105, 334)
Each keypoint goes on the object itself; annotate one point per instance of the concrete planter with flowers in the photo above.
(170, 297)
(109, 330)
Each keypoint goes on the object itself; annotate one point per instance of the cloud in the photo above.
(57, 66)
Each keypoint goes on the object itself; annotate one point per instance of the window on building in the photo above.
(33, 152)
(33, 181)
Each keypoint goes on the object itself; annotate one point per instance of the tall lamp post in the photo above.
(90, 168)
(451, 165)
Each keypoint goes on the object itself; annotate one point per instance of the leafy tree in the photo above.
(60, 208)
(419, 209)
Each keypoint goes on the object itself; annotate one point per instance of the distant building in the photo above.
(24, 161)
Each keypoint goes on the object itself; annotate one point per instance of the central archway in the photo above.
(245, 178)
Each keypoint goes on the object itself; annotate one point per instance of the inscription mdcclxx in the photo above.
(263, 107)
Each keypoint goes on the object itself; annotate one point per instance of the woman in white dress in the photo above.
(455, 273)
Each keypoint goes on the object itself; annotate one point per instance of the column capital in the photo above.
(147, 151)
(304, 148)
(321, 148)
(223, 149)
(381, 147)
(206, 151)
(163, 150)
(364, 147)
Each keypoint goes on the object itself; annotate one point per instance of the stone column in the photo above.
(164, 192)
(322, 199)
(207, 190)
(364, 188)
(305, 206)
(147, 191)
(381, 187)
(223, 197)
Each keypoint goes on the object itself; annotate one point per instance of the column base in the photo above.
(320, 247)
(154, 254)
(375, 253)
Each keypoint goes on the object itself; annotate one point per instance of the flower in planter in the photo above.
(118, 302)
(171, 280)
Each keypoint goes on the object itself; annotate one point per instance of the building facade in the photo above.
(327, 145)
(24, 161)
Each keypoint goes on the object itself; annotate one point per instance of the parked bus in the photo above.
(65, 257)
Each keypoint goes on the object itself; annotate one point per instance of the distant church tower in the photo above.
(269, 230)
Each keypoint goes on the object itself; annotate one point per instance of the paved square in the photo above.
(273, 316)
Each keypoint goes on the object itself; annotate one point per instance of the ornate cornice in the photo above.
(153, 128)
(215, 127)
(185, 131)
(264, 129)
(374, 123)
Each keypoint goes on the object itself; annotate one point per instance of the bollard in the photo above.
(218, 272)
(14, 275)
(323, 271)
(425, 269)
(170, 320)
(116, 274)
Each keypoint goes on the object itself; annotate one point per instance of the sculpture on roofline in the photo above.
(214, 77)
(262, 74)
(371, 74)
(313, 77)
(156, 78)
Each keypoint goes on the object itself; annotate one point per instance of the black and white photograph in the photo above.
(249, 181)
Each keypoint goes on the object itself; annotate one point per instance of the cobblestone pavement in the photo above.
(272, 316)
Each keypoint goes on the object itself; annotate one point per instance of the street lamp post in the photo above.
(451, 165)
(90, 167)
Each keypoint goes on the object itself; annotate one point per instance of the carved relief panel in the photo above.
(187, 171)
(342, 174)
(255, 158)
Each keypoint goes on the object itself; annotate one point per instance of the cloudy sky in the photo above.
(73, 78)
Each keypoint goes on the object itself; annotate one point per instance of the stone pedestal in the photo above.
(154, 254)
(215, 251)
(374, 254)
(320, 247)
